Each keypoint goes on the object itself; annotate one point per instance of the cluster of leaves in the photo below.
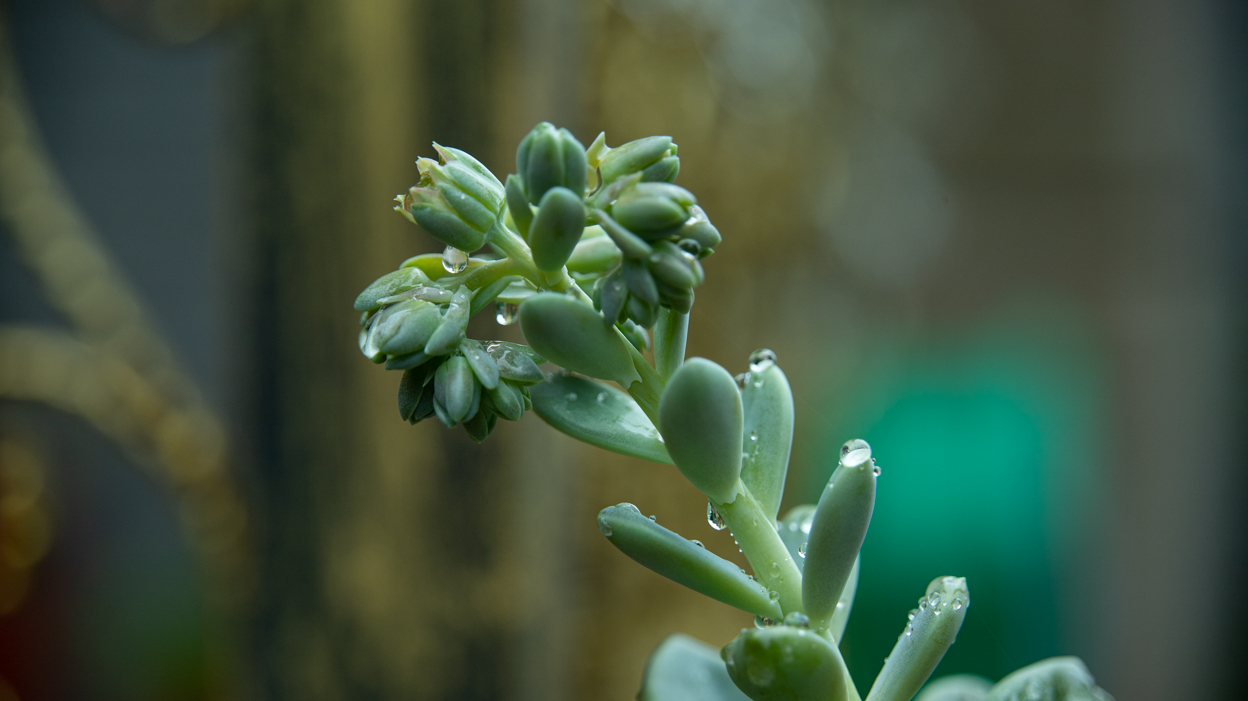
(596, 246)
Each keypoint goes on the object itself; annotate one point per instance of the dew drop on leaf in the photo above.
(714, 518)
(504, 313)
(454, 260)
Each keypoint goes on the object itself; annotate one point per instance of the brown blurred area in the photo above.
(883, 174)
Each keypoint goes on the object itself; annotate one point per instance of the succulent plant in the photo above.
(591, 249)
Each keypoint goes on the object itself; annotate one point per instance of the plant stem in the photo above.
(510, 243)
(647, 392)
(670, 334)
(756, 533)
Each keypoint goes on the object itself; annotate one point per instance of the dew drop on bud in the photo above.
(801, 550)
(761, 358)
(504, 313)
(957, 604)
(602, 397)
(934, 598)
(742, 379)
(714, 518)
(454, 260)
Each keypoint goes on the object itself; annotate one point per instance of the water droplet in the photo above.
(602, 397)
(604, 528)
(852, 445)
(570, 396)
(654, 519)
(742, 379)
(761, 358)
(700, 545)
(629, 507)
(775, 567)
(909, 630)
(801, 550)
(753, 434)
(875, 470)
(910, 617)
(797, 619)
(936, 610)
(714, 518)
(934, 598)
(773, 594)
(923, 604)
(957, 604)
(454, 260)
(505, 313)
(763, 621)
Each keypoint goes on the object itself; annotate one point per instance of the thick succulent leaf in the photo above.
(786, 663)
(956, 687)
(1054, 679)
(684, 561)
(836, 535)
(700, 419)
(924, 642)
(571, 334)
(599, 415)
(768, 434)
(684, 669)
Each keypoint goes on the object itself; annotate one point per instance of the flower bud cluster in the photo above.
(418, 325)
(457, 201)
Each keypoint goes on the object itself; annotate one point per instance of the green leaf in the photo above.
(483, 364)
(571, 334)
(956, 687)
(1054, 679)
(599, 415)
(836, 535)
(684, 669)
(450, 332)
(557, 228)
(700, 420)
(767, 441)
(684, 561)
(924, 641)
(389, 284)
(786, 663)
(516, 362)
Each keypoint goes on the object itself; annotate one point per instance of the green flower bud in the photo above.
(663, 170)
(700, 419)
(454, 388)
(548, 157)
(518, 205)
(786, 663)
(1054, 679)
(480, 425)
(653, 210)
(837, 532)
(454, 324)
(594, 254)
(516, 363)
(483, 364)
(683, 561)
(635, 156)
(631, 245)
(698, 227)
(557, 228)
(639, 281)
(508, 400)
(571, 334)
(613, 296)
(636, 335)
(640, 311)
(414, 329)
(932, 629)
(768, 434)
(416, 393)
(672, 266)
(387, 285)
(457, 201)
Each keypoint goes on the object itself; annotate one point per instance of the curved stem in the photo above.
(517, 251)
(756, 533)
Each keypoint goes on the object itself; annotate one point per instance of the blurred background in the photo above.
(1002, 242)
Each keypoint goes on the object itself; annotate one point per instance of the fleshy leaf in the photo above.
(1054, 679)
(923, 643)
(768, 434)
(684, 669)
(599, 415)
(956, 687)
(786, 663)
(684, 561)
(700, 419)
(836, 535)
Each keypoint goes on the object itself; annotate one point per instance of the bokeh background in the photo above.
(1003, 242)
